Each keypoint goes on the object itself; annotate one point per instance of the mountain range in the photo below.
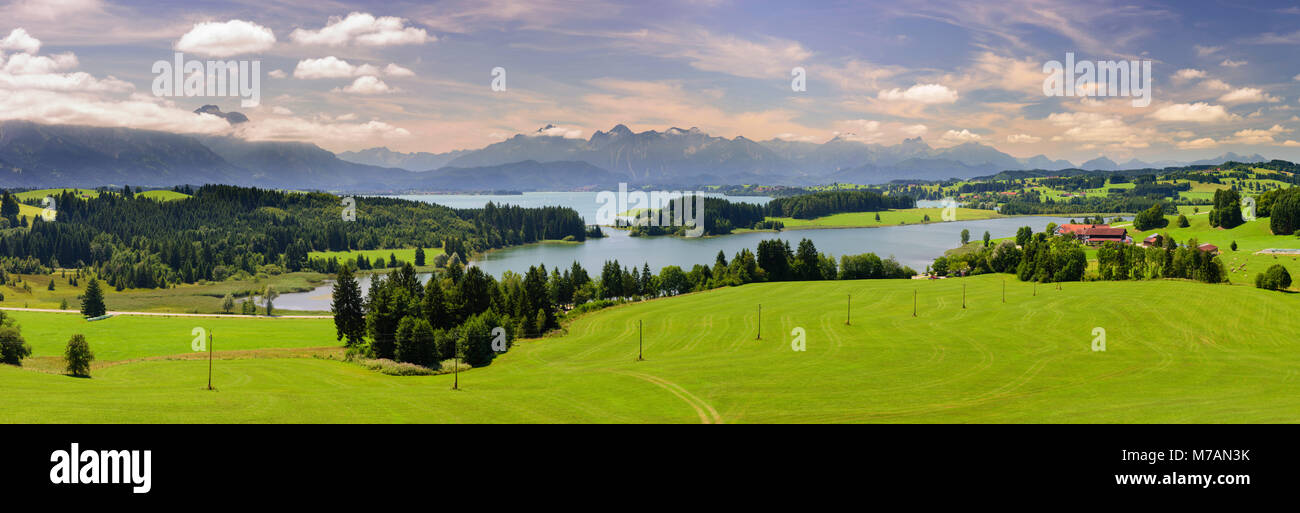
(37, 155)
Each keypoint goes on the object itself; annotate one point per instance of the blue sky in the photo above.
(415, 76)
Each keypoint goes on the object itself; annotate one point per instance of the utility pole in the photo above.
(1004, 290)
(760, 322)
(913, 302)
(848, 318)
(963, 296)
(455, 384)
(209, 360)
(640, 342)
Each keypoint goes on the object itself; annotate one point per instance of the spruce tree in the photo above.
(92, 304)
(349, 316)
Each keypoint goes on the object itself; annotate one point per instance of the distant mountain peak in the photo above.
(233, 118)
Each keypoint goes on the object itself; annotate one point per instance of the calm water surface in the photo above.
(913, 245)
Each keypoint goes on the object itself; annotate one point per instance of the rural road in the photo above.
(165, 314)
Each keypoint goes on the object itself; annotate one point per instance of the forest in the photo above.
(222, 230)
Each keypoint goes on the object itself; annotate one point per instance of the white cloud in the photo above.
(54, 10)
(27, 64)
(787, 136)
(963, 136)
(1202, 51)
(921, 93)
(1099, 128)
(363, 29)
(281, 111)
(1198, 112)
(367, 85)
(334, 67)
(1022, 138)
(558, 131)
(1196, 144)
(1229, 63)
(1189, 74)
(277, 73)
(1216, 84)
(1258, 136)
(394, 70)
(1248, 95)
(1290, 143)
(327, 134)
(224, 39)
(914, 130)
(67, 82)
(325, 67)
(19, 39)
(139, 111)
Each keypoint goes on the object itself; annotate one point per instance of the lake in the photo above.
(912, 245)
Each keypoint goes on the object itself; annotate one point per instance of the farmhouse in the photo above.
(1208, 248)
(1075, 230)
(1094, 234)
(1102, 234)
(1153, 240)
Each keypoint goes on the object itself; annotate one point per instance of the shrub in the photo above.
(12, 346)
(78, 356)
(1275, 278)
(1151, 218)
(1182, 221)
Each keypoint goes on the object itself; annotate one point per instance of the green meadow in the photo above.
(405, 254)
(887, 218)
(1175, 351)
(205, 297)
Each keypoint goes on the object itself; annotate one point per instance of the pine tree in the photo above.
(349, 316)
(419, 256)
(92, 304)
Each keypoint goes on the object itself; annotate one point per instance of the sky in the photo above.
(418, 76)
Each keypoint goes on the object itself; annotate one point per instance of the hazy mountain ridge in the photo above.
(417, 161)
(36, 155)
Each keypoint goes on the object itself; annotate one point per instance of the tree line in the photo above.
(454, 313)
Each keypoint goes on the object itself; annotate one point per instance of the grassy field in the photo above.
(887, 218)
(119, 338)
(1173, 354)
(41, 193)
(162, 195)
(184, 298)
(405, 255)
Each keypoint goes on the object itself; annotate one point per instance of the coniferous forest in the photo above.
(142, 243)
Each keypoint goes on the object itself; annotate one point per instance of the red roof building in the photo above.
(1098, 235)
